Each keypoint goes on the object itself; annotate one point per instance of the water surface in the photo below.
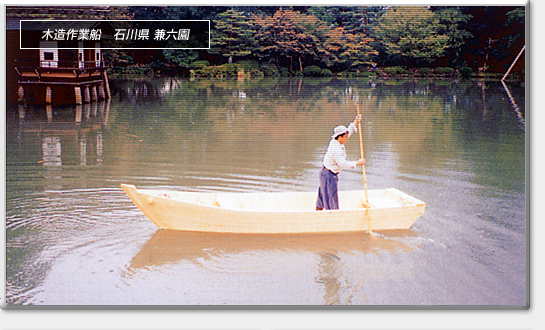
(74, 238)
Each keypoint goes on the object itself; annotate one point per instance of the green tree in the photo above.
(232, 35)
(516, 26)
(180, 57)
(286, 34)
(354, 19)
(176, 12)
(345, 49)
(411, 35)
(451, 20)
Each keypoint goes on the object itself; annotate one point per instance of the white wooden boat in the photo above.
(275, 213)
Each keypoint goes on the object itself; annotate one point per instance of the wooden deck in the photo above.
(76, 84)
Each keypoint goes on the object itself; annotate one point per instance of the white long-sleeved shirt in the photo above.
(335, 157)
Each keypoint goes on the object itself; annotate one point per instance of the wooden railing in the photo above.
(63, 64)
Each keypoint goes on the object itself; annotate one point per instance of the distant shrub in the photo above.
(199, 64)
(394, 70)
(248, 65)
(206, 71)
(444, 70)
(269, 70)
(312, 71)
(226, 70)
(424, 71)
(284, 72)
(131, 70)
(256, 74)
(326, 73)
(367, 74)
(390, 70)
(466, 71)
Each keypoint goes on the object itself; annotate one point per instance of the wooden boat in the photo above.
(275, 213)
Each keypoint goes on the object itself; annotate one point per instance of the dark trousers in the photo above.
(327, 193)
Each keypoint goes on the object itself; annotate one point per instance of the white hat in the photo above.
(338, 131)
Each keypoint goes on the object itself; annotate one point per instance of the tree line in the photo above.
(290, 39)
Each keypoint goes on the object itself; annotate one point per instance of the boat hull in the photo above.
(275, 213)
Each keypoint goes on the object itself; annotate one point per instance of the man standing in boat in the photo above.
(334, 162)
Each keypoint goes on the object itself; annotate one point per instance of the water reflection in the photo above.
(172, 246)
(516, 108)
(66, 128)
(144, 89)
(169, 249)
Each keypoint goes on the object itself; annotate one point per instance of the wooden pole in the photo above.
(513, 64)
(77, 92)
(363, 166)
(48, 95)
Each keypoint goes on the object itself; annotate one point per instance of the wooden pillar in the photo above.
(101, 95)
(86, 95)
(21, 94)
(106, 84)
(77, 91)
(94, 95)
(48, 95)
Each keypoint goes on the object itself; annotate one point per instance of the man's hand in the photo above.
(357, 121)
(360, 162)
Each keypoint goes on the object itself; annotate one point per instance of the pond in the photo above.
(74, 238)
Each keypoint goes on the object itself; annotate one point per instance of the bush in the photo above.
(248, 65)
(444, 70)
(269, 70)
(466, 71)
(367, 74)
(284, 72)
(390, 70)
(424, 71)
(131, 70)
(394, 70)
(326, 73)
(225, 70)
(206, 71)
(312, 71)
(199, 64)
(251, 68)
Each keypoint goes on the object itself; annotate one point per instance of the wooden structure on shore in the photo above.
(57, 72)
(85, 84)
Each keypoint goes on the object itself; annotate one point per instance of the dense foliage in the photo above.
(287, 39)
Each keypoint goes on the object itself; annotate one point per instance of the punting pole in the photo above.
(513, 64)
(362, 156)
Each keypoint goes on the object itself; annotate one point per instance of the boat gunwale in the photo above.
(152, 193)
